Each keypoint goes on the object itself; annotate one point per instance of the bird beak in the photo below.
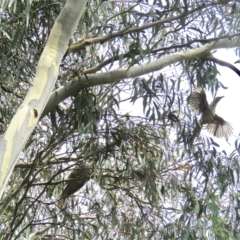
(221, 97)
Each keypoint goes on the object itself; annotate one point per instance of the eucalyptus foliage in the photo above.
(146, 178)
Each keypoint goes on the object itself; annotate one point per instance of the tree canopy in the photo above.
(110, 150)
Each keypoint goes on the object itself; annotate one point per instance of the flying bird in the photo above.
(215, 124)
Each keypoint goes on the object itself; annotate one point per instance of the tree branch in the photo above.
(222, 63)
(85, 81)
(86, 42)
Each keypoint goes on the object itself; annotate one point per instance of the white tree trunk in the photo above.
(28, 114)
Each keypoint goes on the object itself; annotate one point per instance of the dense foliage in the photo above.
(138, 171)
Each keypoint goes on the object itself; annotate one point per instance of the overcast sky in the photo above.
(228, 108)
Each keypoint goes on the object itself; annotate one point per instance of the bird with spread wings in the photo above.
(215, 124)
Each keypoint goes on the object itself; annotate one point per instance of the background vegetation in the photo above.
(123, 128)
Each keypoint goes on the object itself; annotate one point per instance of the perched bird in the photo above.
(216, 125)
(79, 176)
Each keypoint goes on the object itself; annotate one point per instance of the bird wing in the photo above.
(198, 100)
(219, 127)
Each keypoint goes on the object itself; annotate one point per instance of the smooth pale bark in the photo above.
(77, 84)
(28, 114)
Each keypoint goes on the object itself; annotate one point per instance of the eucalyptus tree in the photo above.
(96, 130)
